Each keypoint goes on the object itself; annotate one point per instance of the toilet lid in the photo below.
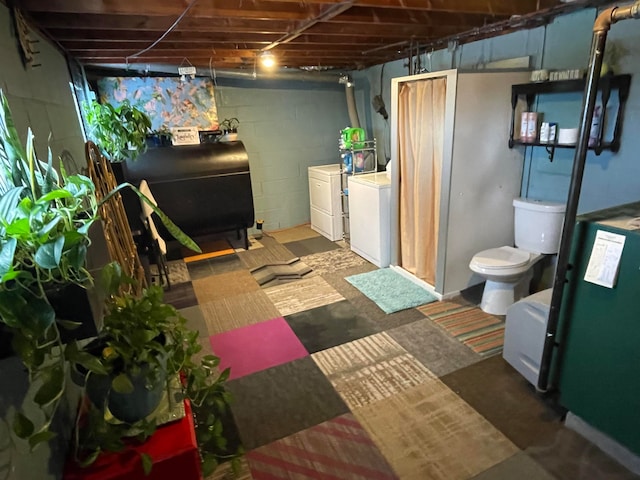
(501, 257)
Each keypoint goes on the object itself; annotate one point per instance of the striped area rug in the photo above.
(482, 332)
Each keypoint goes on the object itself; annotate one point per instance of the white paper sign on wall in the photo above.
(604, 261)
(185, 136)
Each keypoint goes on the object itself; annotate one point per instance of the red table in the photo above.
(172, 447)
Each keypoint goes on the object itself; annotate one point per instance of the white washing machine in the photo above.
(524, 334)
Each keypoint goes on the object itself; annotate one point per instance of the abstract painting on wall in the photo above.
(168, 101)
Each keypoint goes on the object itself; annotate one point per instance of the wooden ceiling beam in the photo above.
(248, 61)
(389, 16)
(491, 7)
(214, 8)
(202, 53)
(110, 37)
(366, 17)
(231, 27)
(158, 24)
(80, 45)
(124, 36)
(210, 9)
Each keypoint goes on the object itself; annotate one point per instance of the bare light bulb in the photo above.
(267, 59)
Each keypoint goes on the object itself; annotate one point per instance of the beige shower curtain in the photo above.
(421, 108)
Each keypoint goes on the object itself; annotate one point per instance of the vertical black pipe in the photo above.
(590, 95)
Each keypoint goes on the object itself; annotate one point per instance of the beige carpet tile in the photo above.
(271, 252)
(238, 311)
(224, 285)
(338, 448)
(302, 295)
(333, 260)
(370, 369)
(428, 432)
(294, 234)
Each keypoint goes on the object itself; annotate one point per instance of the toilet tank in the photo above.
(538, 225)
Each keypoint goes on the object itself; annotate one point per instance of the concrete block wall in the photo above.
(286, 128)
(39, 97)
(609, 179)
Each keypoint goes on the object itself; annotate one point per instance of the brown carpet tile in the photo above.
(434, 348)
(309, 246)
(272, 252)
(238, 311)
(293, 234)
(217, 287)
(507, 400)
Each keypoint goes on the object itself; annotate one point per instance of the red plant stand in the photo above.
(172, 447)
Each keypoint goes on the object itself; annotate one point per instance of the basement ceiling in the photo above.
(311, 35)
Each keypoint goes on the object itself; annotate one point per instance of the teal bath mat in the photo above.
(390, 291)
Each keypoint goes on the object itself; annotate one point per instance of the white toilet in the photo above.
(508, 270)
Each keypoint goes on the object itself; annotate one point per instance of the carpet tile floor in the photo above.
(326, 385)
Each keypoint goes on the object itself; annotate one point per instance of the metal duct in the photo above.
(140, 70)
(351, 101)
(600, 29)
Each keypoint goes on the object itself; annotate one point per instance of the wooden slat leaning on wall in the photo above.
(122, 248)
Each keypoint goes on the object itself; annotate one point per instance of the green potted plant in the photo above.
(143, 343)
(45, 219)
(229, 127)
(120, 131)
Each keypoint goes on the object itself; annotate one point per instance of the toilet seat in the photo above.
(502, 258)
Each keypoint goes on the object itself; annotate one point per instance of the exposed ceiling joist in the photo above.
(346, 34)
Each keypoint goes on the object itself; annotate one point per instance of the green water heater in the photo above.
(599, 359)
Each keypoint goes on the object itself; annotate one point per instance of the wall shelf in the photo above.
(606, 84)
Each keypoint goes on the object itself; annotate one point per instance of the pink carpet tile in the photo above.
(257, 347)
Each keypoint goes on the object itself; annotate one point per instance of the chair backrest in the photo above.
(147, 212)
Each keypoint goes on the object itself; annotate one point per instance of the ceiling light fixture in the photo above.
(267, 59)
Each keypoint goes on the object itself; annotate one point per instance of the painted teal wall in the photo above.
(609, 179)
(41, 98)
(285, 127)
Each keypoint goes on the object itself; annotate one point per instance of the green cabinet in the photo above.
(599, 359)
